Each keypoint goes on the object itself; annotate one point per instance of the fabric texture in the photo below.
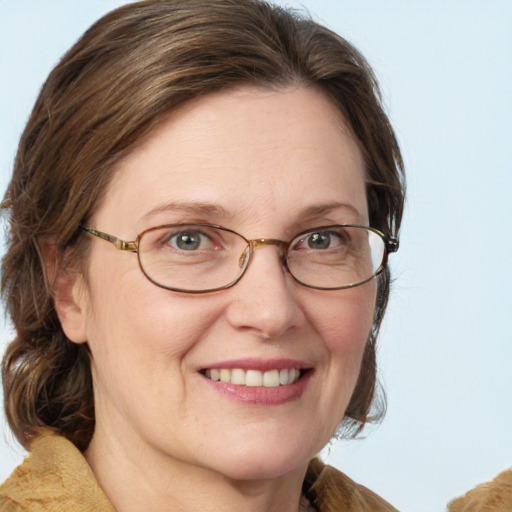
(494, 496)
(330, 490)
(56, 477)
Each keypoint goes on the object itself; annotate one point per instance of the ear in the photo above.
(69, 292)
(70, 297)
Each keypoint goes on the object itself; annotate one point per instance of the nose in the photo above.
(264, 301)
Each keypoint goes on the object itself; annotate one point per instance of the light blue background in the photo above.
(445, 67)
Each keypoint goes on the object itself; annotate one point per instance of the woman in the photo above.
(242, 153)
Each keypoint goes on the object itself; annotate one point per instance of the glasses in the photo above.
(201, 258)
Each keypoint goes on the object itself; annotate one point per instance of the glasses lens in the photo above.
(336, 257)
(192, 258)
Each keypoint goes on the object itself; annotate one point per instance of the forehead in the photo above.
(251, 152)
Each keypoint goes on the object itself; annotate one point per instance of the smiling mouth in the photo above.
(255, 378)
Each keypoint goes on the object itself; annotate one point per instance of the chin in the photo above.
(262, 464)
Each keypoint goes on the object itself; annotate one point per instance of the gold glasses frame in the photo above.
(391, 245)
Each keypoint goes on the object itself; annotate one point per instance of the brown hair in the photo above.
(105, 96)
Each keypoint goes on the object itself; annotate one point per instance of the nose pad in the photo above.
(244, 257)
(282, 258)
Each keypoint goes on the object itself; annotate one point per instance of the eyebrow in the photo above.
(211, 209)
(321, 209)
(191, 208)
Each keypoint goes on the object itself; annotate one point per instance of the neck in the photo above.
(157, 482)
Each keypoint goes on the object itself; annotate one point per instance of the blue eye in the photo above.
(321, 240)
(189, 240)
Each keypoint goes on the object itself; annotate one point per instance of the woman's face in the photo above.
(265, 164)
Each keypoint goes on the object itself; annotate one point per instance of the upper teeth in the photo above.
(269, 379)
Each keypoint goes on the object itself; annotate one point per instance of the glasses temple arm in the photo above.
(117, 242)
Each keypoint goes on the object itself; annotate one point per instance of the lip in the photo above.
(261, 396)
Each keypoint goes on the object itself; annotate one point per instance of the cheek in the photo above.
(133, 324)
(140, 336)
(344, 320)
